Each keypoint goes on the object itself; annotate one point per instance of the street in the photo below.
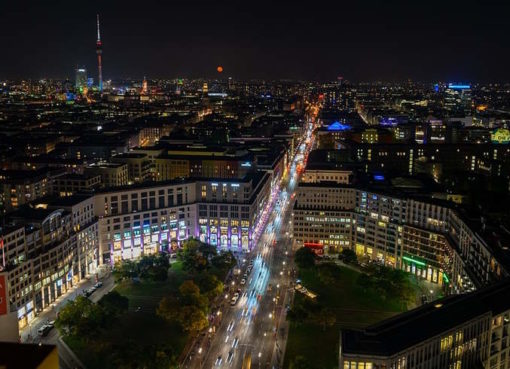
(255, 326)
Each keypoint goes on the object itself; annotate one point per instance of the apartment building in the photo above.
(50, 246)
(461, 331)
(112, 174)
(149, 218)
(429, 239)
(72, 183)
(138, 164)
(19, 187)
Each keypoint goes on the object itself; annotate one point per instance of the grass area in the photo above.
(147, 295)
(136, 331)
(353, 307)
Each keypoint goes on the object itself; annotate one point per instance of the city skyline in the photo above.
(363, 42)
(234, 185)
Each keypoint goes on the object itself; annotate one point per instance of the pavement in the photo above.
(256, 324)
(29, 334)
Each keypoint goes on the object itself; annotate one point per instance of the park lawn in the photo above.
(354, 307)
(146, 294)
(140, 330)
(143, 328)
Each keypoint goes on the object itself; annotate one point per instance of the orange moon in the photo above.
(219, 69)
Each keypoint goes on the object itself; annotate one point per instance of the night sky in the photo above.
(318, 40)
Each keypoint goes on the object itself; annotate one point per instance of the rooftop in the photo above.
(27, 356)
(405, 330)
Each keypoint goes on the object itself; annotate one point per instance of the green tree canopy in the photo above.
(348, 256)
(304, 258)
(114, 304)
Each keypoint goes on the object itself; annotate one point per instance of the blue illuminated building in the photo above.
(337, 126)
(454, 86)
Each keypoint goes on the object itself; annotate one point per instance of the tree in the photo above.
(304, 258)
(125, 270)
(223, 262)
(191, 257)
(328, 273)
(348, 256)
(209, 285)
(299, 362)
(364, 281)
(190, 296)
(114, 304)
(189, 288)
(168, 308)
(80, 317)
(192, 318)
(327, 318)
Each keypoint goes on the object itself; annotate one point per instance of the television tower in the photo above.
(99, 52)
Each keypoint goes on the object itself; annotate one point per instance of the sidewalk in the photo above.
(29, 333)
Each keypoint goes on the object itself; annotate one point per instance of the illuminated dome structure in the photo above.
(337, 126)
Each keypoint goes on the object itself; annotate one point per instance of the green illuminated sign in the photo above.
(413, 261)
(445, 277)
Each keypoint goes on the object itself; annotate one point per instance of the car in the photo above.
(234, 299)
(51, 323)
(235, 342)
(44, 330)
(230, 357)
(219, 360)
(230, 326)
(98, 285)
(243, 282)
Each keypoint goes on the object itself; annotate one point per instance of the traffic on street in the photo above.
(249, 327)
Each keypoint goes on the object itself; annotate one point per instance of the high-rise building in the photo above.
(99, 52)
(145, 87)
(458, 98)
(80, 79)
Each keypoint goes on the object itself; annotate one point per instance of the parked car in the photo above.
(44, 330)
